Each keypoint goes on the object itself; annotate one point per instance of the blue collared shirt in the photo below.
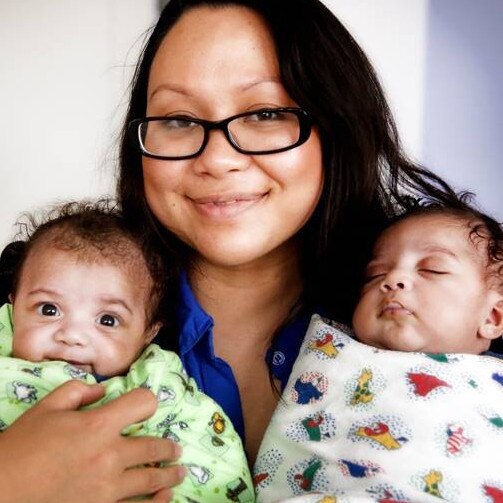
(213, 375)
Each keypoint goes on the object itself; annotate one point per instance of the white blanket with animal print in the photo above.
(359, 424)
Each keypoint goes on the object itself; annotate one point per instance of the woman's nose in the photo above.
(219, 157)
(395, 280)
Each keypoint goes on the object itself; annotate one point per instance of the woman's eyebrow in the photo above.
(169, 87)
(242, 86)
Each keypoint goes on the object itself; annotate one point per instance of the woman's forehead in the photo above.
(231, 46)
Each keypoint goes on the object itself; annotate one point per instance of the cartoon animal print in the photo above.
(75, 372)
(326, 345)
(309, 387)
(424, 383)
(23, 392)
(497, 377)
(432, 482)
(170, 426)
(304, 479)
(217, 423)
(358, 470)
(384, 493)
(238, 491)
(380, 433)
(362, 393)
(495, 419)
(166, 394)
(457, 441)
(35, 371)
(199, 475)
(266, 467)
(495, 493)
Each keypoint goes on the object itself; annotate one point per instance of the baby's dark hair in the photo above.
(93, 232)
(481, 228)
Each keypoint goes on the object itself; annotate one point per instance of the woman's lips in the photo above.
(225, 206)
(394, 308)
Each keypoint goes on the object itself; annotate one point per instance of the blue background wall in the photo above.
(463, 106)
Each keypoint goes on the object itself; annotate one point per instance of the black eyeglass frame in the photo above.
(305, 125)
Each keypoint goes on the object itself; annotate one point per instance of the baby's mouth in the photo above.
(394, 308)
(81, 366)
(85, 367)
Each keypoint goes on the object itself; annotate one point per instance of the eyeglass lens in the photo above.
(255, 132)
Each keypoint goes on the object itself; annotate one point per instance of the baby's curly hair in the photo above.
(93, 231)
(481, 228)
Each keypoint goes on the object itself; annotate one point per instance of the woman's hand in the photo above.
(55, 453)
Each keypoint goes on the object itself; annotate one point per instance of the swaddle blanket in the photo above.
(360, 424)
(217, 470)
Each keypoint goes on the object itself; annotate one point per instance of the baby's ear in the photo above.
(151, 332)
(492, 326)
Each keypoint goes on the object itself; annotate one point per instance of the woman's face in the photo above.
(232, 208)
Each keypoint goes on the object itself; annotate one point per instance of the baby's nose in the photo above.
(394, 281)
(71, 334)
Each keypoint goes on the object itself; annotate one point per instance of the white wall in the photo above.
(393, 35)
(63, 67)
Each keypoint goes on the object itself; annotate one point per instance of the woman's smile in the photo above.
(227, 206)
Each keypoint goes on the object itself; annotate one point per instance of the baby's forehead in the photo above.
(122, 254)
(433, 233)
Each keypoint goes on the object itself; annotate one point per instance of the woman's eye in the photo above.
(48, 309)
(178, 124)
(107, 320)
(266, 115)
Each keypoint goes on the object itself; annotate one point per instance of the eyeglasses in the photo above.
(259, 132)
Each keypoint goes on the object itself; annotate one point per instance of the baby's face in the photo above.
(90, 314)
(425, 289)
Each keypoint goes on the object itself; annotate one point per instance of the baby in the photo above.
(408, 412)
(87, 301)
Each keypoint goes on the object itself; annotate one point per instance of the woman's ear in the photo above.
(492, 327)
(151, 332)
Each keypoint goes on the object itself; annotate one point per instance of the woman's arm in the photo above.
(55, 453)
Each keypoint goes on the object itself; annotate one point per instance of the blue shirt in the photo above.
(213, 375)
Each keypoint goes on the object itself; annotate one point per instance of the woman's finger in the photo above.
(132, 407)
(141, 481)
(136, 451)
(70, 396)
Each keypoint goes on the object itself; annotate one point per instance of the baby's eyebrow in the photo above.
(44, 291)
(440, 249)
(110, 301)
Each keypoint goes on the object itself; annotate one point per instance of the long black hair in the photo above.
(366, 173)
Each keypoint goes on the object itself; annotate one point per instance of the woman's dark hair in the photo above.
(366, 173)
(92, 231)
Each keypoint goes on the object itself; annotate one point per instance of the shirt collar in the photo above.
(193, 321)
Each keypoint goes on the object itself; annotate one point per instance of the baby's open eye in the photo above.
(48, 309)
(107, 320)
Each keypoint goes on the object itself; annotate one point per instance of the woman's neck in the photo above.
(248, 303)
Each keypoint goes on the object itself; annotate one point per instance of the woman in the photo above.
(268, 163)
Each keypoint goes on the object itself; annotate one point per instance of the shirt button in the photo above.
(278, 358)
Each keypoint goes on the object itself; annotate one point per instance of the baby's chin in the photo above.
(398, 339)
